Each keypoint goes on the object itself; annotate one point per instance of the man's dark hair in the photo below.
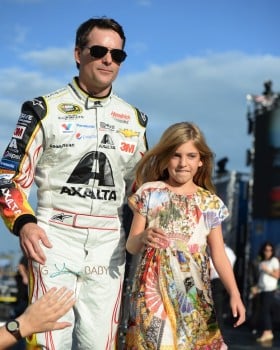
(101, 22)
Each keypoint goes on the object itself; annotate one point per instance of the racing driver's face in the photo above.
(97, 73)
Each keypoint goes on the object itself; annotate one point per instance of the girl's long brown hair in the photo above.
(153, 165)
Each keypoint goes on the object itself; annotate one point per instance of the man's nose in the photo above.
(107, 58)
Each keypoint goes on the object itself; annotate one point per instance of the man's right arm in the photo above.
(17, 169)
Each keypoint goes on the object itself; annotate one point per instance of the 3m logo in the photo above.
(19, 131)
(128, 147)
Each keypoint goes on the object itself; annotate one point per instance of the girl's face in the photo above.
(267, 252)
(183, 165)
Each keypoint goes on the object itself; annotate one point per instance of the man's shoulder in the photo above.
(140, 115)
(40, 104)
(56, 93)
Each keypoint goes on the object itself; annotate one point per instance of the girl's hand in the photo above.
(238, 310)
(155, 237)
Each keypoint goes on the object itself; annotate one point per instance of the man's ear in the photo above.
(77, 54)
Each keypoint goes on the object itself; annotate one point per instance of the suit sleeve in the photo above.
(142, 147)
(17, 166)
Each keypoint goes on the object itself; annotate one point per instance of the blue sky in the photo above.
(187, 60)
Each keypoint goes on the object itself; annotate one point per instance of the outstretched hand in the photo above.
(43, 314)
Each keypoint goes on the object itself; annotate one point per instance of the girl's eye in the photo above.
(192, 155)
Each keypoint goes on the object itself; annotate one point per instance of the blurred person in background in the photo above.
(267, 286)
(21, 278)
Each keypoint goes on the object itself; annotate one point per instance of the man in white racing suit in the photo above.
(80, 145)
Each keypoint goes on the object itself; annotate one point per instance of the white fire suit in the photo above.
(81, 152)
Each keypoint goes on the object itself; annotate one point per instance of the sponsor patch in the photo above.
(69, 108)
(8, 164)
(128, 147)
(19, 132)
(128, 132)
(106, 126)
(121, 117)
(67, 128)
(63, 145)
(107, 142)
(25, 119)
(6, 177)
(12, 155)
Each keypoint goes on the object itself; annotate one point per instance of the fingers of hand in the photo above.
(154, 238)
(153, 241)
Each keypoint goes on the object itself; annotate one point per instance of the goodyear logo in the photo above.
(69, 108)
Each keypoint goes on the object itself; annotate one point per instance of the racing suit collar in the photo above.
(89, 101)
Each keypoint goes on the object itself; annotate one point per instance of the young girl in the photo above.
(176, 216)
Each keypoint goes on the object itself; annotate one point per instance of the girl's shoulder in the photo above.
(209, 199)
(202, 192)
(275, 260)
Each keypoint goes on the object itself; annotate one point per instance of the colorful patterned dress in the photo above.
(172, 306)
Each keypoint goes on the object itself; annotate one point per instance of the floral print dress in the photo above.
(171, 301)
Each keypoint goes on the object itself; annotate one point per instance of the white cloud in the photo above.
(19, 35)
(17, 84)
(53, 59)
(144, 2)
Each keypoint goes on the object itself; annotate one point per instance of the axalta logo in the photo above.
(123, 118)
(69, 108)
(19, 131)
(107, 142)
(9, 200)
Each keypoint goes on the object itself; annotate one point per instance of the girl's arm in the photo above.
(139, 237)
(271, 272)
(226, 274)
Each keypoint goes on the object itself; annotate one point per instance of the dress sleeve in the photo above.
(216, 212)
(138, 201)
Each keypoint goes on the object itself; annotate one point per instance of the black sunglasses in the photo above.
(98, 51)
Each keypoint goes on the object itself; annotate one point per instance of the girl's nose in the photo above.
(183, 161)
